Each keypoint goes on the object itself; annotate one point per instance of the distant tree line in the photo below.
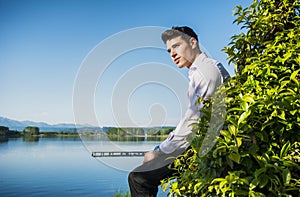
(111, 131)
(138, 131)
(5, 132)
(125, 131)
(30, 131)
(159, 131)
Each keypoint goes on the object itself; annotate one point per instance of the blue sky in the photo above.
(44, 44)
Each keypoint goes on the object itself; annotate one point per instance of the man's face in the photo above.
(181, 52)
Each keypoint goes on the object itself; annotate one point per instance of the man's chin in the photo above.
(180, 66)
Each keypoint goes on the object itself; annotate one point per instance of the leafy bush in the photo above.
(258, 150)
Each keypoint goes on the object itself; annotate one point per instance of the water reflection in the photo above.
(135, 138)
(114, 138)
(3, 139)
(62, 166)
(30, 138)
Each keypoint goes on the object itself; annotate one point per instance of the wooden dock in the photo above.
(119, 154)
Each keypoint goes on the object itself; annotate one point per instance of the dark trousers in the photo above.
(145, 179)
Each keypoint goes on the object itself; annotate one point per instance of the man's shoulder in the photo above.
(204, 60)
(204, 63)
(207, 68)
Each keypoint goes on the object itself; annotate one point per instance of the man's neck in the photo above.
(195, 57)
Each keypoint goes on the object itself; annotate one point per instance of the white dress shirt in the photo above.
(205, 75)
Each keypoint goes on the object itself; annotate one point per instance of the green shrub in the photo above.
(258, 150)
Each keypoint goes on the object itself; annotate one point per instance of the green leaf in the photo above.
(259, 171)
(293, 77)
(286, 175)
(244, 105)
(253, 148)
(239, 141)
(293, 112)
(243, 116)
(274, 75)
(285, 148)
(263, 180)
(284, 83)
(235, 157)
(254, 183)
(232, 129)
(229, 162)
(248, 99)
(225, 133)
(282, 115)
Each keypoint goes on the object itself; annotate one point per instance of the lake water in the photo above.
(65, 167)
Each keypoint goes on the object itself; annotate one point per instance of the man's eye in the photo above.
(169, 50)
(175, 46)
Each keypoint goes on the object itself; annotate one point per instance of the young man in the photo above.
(205, 75)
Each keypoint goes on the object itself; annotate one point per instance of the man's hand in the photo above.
(149, 156)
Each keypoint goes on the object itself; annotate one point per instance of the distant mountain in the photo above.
(20, 125)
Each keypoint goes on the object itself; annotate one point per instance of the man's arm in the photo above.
(204, 80)
(177, 138)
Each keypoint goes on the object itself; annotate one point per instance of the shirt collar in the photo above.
(197, 62)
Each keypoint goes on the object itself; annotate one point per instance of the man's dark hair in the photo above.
(185, 32)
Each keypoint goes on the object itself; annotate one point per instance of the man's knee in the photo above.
(135, 178)
(131, 177)
(141, 186)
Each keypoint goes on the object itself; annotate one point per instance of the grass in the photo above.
(120, 194)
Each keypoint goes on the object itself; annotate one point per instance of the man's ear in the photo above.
(193, 43)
